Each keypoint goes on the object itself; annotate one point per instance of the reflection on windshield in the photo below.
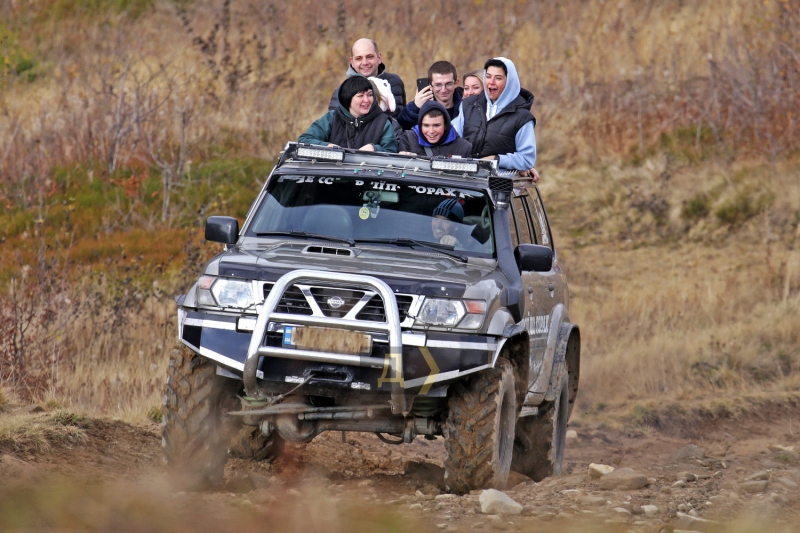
(366, 209)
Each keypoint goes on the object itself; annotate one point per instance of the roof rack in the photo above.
(467, 168)
(499, 181)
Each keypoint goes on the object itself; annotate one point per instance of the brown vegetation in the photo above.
(667, 135)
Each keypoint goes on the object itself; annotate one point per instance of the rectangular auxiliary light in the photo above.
(454, 166)
(318, 153)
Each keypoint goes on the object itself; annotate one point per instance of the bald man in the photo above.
(365, 60)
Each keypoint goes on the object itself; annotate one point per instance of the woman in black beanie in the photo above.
(358, 122)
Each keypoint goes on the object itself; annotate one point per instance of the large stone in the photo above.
(691, 451)
(695, 523)
(758, 476)
(596, 471)
(623, 479)
(495, 502)
(752, 487)
(786, 482)
(650, 510)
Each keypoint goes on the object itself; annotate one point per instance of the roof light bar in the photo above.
(320, 153)
(454, 166)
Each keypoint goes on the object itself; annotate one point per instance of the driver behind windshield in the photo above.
(444, 223)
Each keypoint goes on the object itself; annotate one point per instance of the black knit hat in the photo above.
(450, 209)
(351, 87)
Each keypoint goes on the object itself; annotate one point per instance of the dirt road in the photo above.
(718, 469)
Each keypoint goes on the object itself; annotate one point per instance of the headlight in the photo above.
(220, 292)
(233, 293)
(438, 312)
(466, 314)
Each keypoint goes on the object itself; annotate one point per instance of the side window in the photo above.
(518, 207)
(539, 218)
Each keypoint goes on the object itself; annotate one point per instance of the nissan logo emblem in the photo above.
(335, 302)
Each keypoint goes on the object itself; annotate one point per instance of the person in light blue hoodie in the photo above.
(498, 122)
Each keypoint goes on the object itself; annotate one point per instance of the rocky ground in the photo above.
(681, 476)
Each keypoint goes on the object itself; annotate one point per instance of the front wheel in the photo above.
(479, 434)
(194, 434)
(539, 440)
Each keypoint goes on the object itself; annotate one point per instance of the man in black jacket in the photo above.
(366, 60)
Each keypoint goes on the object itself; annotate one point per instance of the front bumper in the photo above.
(401, 362)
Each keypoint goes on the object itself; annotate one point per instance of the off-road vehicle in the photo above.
(381, 293)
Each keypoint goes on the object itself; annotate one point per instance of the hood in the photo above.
(512, 88)
(379, 261)
(449, 132)
(353, 72)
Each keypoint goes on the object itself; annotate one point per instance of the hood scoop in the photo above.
(328, 250)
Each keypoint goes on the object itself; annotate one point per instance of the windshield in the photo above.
(358, 209)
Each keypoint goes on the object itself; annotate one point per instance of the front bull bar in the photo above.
(392, 364)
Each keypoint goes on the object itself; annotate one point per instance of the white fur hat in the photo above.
(386, 98)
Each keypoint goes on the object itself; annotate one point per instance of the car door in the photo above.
(532, 285)
(550, 286)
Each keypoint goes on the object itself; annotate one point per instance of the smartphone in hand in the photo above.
(422, 83)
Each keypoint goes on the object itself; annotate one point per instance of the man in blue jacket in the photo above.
(498, 123)
(443, 87)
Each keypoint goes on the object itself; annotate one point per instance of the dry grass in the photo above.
(39, 432)
(676, 305)
(666, 134)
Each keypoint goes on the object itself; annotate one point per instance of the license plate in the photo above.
(327, 340)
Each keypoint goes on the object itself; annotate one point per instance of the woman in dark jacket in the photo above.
(357, 123)
(433, 135)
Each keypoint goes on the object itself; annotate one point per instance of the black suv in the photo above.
(381, 293)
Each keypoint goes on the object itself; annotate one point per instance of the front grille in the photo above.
(374, 310)
(294, 302)
(328, 298)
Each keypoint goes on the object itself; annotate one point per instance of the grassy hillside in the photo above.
(668, 146)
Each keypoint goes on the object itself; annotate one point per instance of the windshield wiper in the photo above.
(445, 249)
(307, 235)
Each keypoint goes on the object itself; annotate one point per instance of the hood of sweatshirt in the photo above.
(512, 89)
(449, 132)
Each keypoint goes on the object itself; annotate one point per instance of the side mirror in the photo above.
(222, 229)
(533, 257)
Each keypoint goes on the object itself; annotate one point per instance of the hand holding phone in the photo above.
(424, 92)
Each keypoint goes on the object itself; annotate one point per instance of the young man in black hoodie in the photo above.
(434, 135)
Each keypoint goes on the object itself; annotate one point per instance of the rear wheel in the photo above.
(539, 440)
(194, 433)
(479, 433)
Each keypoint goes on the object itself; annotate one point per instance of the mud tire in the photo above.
(479, 435)
(194, 434)
(251, 444)
(539, 440)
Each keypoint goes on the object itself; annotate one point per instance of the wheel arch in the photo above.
(566, 360)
